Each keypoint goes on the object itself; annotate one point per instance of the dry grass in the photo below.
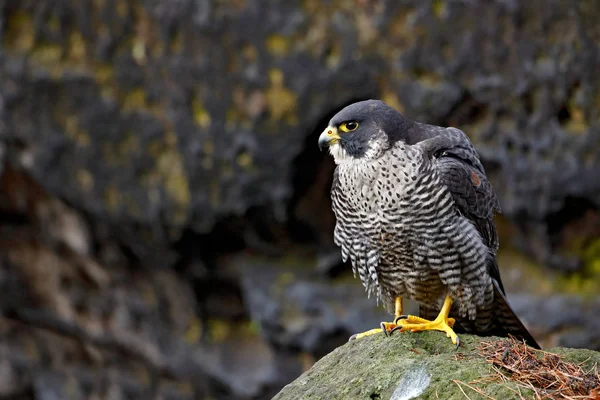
(545, 374)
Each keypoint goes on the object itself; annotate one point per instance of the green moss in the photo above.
(591, 257)
(586, 281)
(375, 366)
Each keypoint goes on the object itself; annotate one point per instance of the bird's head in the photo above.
(362, 131)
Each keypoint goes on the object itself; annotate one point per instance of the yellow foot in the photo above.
(440, 323)
(386, 327)
(415, 324)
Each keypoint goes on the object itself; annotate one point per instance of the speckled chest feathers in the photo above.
(400, 228)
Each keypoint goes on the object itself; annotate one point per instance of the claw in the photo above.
(416, 324)
(397, 328)
(384, 329)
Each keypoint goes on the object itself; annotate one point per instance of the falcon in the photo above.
(414, 214)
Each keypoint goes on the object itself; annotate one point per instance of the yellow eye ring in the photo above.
(349, 126)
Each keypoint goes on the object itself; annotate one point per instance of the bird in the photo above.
(414, 214)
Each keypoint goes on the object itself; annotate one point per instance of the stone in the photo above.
(422, 365)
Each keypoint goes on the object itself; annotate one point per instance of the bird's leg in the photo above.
(386, 327)
(440, 323)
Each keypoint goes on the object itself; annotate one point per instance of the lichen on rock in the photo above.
(412, 365)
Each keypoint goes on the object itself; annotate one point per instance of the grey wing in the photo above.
(355, 234)
(472, 192)
(464, 176)
(462, 173)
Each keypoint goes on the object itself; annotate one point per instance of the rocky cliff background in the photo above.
(165, 225)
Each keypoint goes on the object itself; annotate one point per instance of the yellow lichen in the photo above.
(219, 330)
(171, 169)
(250, 53)
(392, 100)
(193, 332)
(334, 56)
(47, 55)
(85, 179)
(104, 76)
(74, 132)
(77, 48)
(276, 77)
(439, 8)
(281, 101)
(19, 32)
(576, 124)
(134, 100)
(138, 51)
(244, 160)
(112, 198)
(104, 73)
(428, 78)
(278, 45)
(176, 42)
(201, 115)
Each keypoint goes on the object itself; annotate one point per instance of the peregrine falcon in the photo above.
(414, 214)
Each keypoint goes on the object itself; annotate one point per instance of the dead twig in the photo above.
(545, 374)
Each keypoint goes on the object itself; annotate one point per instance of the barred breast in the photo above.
(399, 226)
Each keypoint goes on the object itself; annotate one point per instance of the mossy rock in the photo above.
(409, 366)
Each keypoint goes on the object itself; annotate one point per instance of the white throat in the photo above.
(375, 150)
(339, 154)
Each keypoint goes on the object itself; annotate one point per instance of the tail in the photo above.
(506, 321)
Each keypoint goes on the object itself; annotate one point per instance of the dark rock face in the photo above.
(165, 222)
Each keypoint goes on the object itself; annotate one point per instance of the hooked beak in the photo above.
(328, 137)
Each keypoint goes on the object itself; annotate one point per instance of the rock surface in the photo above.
(410, 366)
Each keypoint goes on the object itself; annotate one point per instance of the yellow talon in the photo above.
(386, 327)
(413, 323)
(440, 323)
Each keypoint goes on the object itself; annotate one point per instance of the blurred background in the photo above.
(165, 222)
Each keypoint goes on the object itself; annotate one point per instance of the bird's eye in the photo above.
(349, 126)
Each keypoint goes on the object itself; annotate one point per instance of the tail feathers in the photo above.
(506, 321)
